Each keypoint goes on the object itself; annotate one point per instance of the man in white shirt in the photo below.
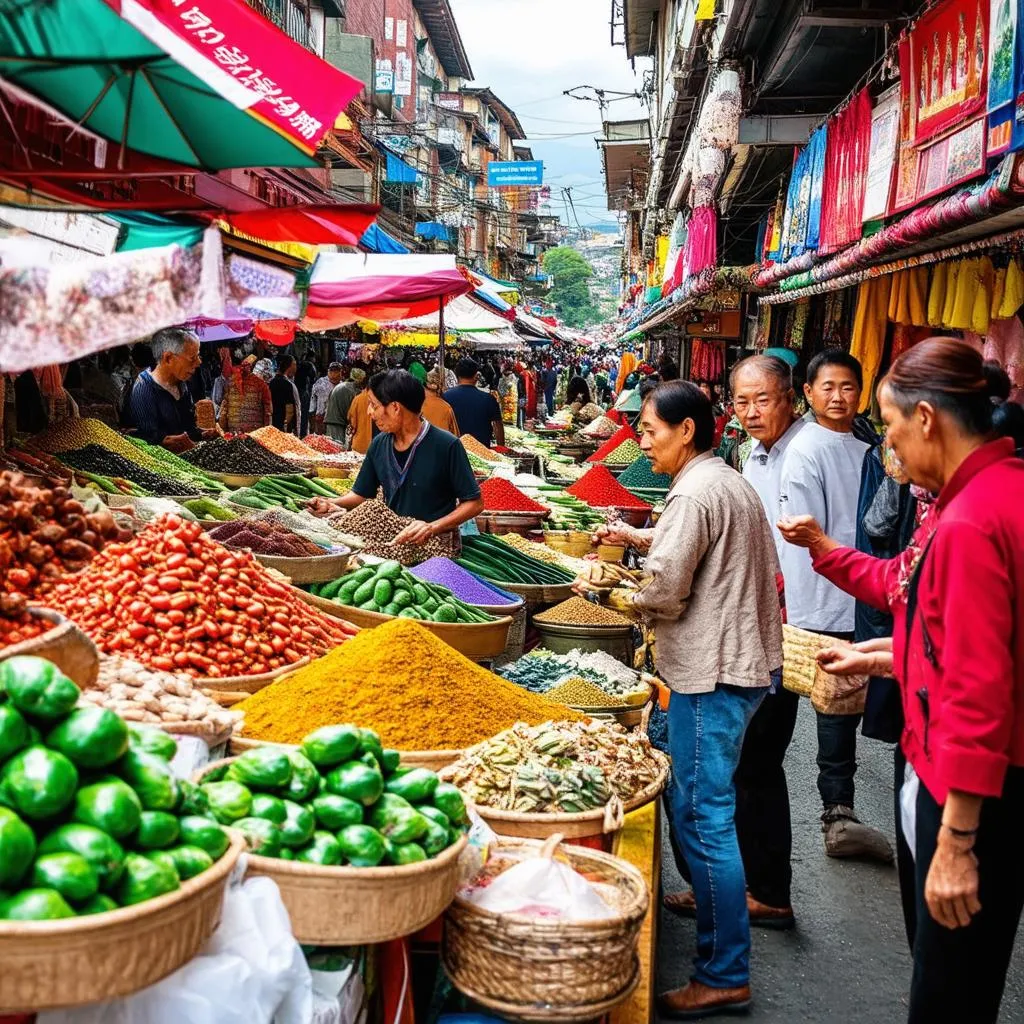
(321, 393)
(820, 476)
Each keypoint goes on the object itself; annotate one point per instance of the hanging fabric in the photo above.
(937, 293)
(869, 329)
(846, 169)
(702, 240)
(1013, 293)
(801, 227)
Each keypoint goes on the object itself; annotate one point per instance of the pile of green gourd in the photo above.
(389, 589)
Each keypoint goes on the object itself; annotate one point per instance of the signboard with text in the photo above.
(515, 173)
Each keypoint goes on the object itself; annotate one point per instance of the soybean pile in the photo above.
(406, 684)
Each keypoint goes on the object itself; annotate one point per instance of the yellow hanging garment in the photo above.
(937, 294)
(952, 277)
(998, 291)
(982, 309)
(1013, 296)
(870, 325)
(967, 283)
(917, 297)
(895, 292)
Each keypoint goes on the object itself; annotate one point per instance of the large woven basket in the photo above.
(312, 569)
(477, 640)
(539, 969)
(350, 906)
(248, 684)
(602, 821)
(49, 964)
(830, 694)
(65, 645)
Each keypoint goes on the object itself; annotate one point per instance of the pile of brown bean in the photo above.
(579, 612)
(378, 526)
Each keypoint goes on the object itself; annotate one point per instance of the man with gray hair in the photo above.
(763, 397)
(161, 406)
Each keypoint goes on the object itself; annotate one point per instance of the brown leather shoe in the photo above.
(761, 914)
(697, 1000)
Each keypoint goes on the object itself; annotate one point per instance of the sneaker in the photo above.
(845, 836)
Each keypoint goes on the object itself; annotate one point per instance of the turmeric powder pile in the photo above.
(402, 681)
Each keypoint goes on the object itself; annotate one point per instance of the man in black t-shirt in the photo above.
(423, 470)
(283, 395)
(476, 411)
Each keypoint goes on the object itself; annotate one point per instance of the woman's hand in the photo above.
(417, 532)
(803, 531)
(866, 659)
(951, 888)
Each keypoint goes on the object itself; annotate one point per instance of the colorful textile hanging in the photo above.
(908, 297)
(54, 314)
(707, 360)
(260, 291)
(702, 240)
(846, 168)
(870, 324)
(801, 228)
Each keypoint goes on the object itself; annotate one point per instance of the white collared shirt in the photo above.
(763, 471)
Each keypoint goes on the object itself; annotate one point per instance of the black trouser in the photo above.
(960, 973)
(762, 799)
(762, 802)
(837, 752)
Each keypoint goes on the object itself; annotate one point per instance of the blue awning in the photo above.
(398, 171)
(435, 230)
(376, 239)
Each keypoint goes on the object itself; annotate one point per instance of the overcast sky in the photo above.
(528, 52)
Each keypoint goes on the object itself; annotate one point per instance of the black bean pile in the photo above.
(240, 455)
(94, 458)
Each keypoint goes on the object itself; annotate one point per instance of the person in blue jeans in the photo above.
(712, 561)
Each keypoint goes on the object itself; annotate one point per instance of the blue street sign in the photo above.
(515, 173)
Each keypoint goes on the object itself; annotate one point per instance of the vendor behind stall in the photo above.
(161, 406)
(424, 471)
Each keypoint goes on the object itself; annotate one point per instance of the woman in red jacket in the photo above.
(957, 597)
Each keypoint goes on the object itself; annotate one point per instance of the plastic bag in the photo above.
(541, 887)
(251, 971)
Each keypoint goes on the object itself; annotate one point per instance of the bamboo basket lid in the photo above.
(79, 960)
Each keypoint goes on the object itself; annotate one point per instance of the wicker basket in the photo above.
(537, 969)
(604, 821)
(49, 964)
(349, 906)
(65, 645)
(476, 640)
(435, 760)
(313, 569)
(248, 684)
(801, 673)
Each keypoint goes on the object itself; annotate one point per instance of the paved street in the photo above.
(847, 959)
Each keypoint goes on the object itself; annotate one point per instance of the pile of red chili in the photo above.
(624, 433)
(174, 599)
(501, 496)
(599, 489)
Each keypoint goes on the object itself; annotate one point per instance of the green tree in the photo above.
(570, 291)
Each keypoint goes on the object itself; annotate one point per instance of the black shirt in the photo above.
(281, 395)
(439, 478)
(475, 411)
(158, 414)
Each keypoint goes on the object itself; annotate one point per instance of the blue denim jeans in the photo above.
(705, 736)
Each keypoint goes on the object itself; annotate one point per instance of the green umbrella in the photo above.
(81, 58)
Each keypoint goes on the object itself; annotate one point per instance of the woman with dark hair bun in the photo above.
(712, 560)
(957, 598)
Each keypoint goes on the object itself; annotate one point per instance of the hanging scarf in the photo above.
(394, 475)
(846, 170)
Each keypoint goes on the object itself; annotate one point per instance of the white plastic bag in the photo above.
(542, 887)
(251, 971)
